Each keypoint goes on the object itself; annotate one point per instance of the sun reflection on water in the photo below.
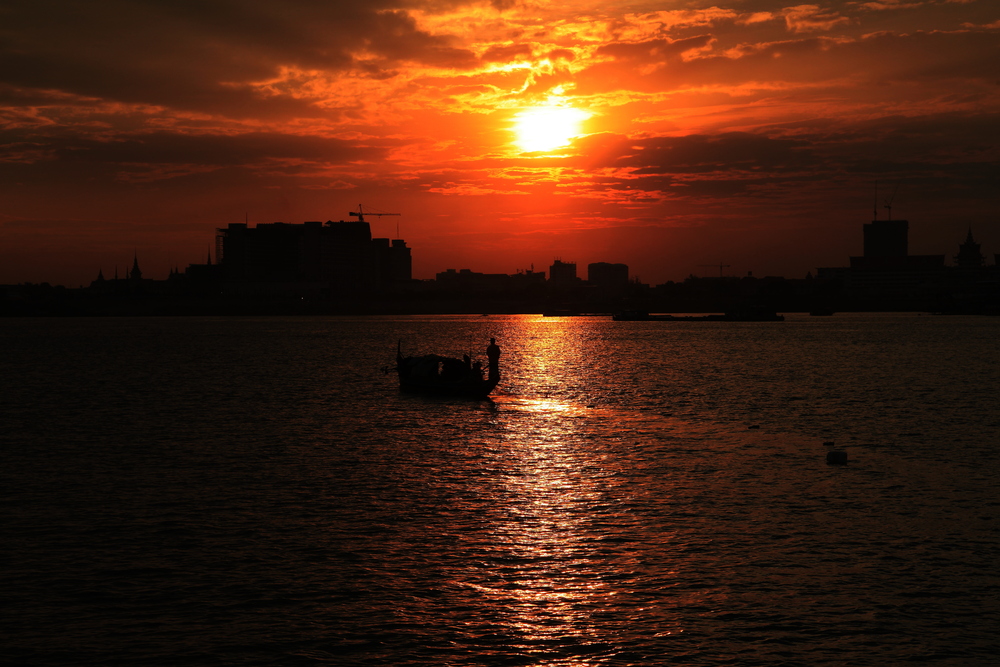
(548, 406)
(584, 531)
(547, 573)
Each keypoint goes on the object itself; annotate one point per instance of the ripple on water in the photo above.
(258, 494)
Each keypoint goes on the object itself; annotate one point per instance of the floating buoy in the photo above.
(837, 457)
(754, 426)
(828, 443)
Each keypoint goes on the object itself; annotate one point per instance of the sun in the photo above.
(546, 128)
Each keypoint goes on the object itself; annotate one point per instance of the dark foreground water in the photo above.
(256, 492)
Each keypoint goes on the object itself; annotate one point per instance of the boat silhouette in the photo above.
(448, 376)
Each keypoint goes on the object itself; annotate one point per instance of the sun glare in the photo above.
(547, 128)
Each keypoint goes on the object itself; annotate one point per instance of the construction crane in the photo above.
(360, 215)
(720, 265)
(888, 202)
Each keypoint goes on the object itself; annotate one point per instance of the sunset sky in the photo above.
(665, 135)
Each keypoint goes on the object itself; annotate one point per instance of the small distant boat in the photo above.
(640, 316)
(447, 376)
(740, 315)
(753, 314)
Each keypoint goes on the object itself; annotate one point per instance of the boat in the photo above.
(753, 314)
(639, 316)
(737, 315)
(446, 376)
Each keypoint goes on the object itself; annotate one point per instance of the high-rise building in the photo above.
(886, 248)
(393, 263)
(607, 276)
(886, 238)
(887, 272)
(340, 258)
(562, 274)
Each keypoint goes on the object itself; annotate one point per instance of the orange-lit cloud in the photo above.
(810, 18)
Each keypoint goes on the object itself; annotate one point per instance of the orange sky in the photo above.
(747, 133)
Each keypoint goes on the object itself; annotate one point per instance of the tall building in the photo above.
(886, 238)
(562, 274)
(886, 248)
(335, 258)
(608, 276)
(393, 263)
(887, 274)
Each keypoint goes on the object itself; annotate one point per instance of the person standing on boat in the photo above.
(493, 355)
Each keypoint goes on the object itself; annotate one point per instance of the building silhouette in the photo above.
(472, 282)
(132, 284)
(969, 255)
(135, 275)
(887, 277)
(562, 274)
(332, 259)
(886, 273)
(886, 239)
(606, 276)
(337, 267)
(393, 262)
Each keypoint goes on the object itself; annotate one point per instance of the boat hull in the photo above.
(445, 376)
(476, 389)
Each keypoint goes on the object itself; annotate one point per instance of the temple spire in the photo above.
(969, 255)
(136, 271)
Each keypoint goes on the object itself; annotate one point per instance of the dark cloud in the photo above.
(216, 150)
(200, 55)
(921, 57)
(654, 50)
(937, 156)
(506, 52)
(394, 36)
(695, 154)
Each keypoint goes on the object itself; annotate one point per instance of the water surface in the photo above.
(256, 491)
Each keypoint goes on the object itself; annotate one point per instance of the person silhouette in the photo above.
(493, 355)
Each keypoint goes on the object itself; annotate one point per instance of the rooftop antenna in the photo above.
(888, 202)
(720, 265)
(875, 206)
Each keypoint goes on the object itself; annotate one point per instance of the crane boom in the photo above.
(360, 215)
(720, 265)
